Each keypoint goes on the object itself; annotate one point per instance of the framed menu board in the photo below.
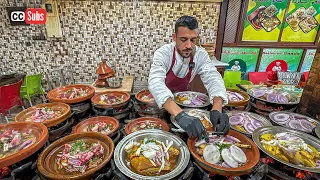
(302, 21)
(263, 20)
(240, 59)
(281, 59)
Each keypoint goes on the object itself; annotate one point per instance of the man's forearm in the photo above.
(172, 107)
(217, 104)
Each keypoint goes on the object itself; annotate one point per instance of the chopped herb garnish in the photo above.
(77, 146)
(223, 146)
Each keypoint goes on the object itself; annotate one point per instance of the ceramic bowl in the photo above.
(81, 127)
(39, 130)
(143, 120)
(53, 94)
(47, 165)
(253, 156)
(239, 103)
(96, 98)
(64, 108)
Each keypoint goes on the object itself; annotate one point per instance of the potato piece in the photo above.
(283, 157)
(202, 146)
(306, 154)
(132, 153)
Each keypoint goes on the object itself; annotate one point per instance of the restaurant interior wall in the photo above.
(125, 32)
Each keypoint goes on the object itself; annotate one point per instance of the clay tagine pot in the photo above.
(104, 72)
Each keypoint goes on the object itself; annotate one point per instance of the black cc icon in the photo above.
(17, 16)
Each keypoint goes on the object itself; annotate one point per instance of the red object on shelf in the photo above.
(10, 97)
(272, 75)
(257, 77)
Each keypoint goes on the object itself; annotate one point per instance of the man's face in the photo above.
(185, 41)
(236, 63)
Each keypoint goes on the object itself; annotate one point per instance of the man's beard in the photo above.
(182, 53)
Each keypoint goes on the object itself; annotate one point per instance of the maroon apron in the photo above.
(174, 83)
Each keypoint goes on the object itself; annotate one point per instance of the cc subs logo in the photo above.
(17, 16)
(28, 16)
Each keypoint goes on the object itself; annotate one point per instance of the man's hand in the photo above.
(192, 125)
(220, 121)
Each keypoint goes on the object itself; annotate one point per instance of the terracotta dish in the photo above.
(47, 165)
(39, 130)
(238, 103)
(96, 98)
(253, 156)
(143, 120)
(62, 107)
(53, 95)
(143, 93)
(82, 126)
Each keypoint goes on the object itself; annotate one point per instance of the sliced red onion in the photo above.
(224, 164)
(233, 97)
(307, 125)
(235, 120)
(239, 96)
(271, 97)
(233, 138)
(198, 143)
(248, 126)
(258, 93)
(281, 118)
(25, 144)
(300, 117)
(201, 99)
(295, 124)
(196, 102)
(282, 98)
(213, 138)
(226, 156)
(256, 124)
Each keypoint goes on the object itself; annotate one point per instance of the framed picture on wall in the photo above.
(240, 59)
(276, 59)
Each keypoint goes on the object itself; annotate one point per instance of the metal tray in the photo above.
(192, 106)
(264, 121)
(317, 130)
(120, 154)
(271, 115)
(313, 141)
(292, 95)
(174, 122)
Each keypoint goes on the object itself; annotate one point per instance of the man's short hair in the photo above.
(186, 21)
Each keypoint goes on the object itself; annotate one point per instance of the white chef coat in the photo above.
(161, 64)
(235, 68)
(276, 68)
